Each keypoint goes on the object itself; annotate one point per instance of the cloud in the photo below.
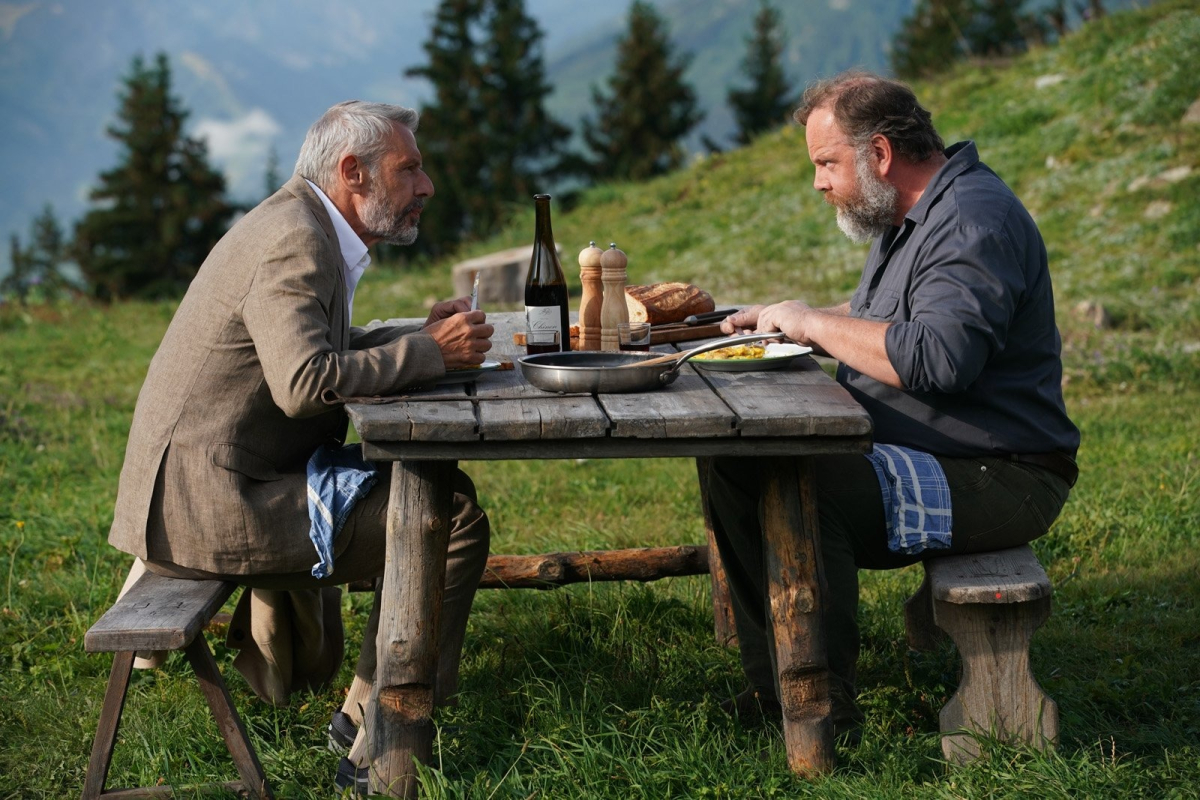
(10, 15)
(240, 147)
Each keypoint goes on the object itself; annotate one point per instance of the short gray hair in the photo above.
(350, 127)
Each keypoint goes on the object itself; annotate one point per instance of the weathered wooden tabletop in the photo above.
(796, 410)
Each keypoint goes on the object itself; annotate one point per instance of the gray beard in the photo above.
(383, 222)
(871, 212)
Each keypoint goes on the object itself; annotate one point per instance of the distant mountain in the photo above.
(255, 75)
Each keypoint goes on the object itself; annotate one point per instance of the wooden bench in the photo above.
(160, 613)
(990, 604)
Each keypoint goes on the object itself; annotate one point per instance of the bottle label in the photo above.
(544, 318)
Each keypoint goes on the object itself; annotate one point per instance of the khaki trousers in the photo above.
(285, 627)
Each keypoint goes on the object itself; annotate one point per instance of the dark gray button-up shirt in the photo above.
(966, 287)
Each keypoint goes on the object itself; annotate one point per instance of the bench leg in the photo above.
(254, 780)
(997, 695)
(922, 634)
(106, 729)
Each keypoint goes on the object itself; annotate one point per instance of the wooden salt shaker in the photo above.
(593, 297)
(614, 310)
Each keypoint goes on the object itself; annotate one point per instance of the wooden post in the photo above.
(400, 715)
(549, 570)
(723, 623)
(797, 594)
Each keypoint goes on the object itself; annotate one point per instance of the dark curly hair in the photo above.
(865, 104)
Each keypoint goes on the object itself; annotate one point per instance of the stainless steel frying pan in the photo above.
(615, 372)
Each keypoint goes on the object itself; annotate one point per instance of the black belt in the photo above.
(1060, 464)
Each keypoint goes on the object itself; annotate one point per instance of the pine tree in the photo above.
(526, 142)
(37, 270)
(940, 32)
(162, 208)
(648, 108)
(766, 103)
(486, 137)
(15, 285)
(931, 37)
(271, 178)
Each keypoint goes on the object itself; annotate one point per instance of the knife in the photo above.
(697, 319)
(475, 293)
(709, 316)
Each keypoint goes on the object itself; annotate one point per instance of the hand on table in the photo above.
(790, 317)
(463, 337)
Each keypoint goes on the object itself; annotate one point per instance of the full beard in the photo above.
(870, 211)
(382, 221)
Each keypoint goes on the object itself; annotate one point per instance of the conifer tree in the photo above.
(486, 137)
(526, 143)
(648, 109)
(162, 208)
(38, 269)
(765, 104)
(940, 32)
(272, 180)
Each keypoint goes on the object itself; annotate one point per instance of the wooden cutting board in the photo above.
(685, 333)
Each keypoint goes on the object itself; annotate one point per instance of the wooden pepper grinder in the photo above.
(614, 310)
(593, 297)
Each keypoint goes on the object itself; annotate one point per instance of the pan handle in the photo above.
(731, 341)
(677, 359)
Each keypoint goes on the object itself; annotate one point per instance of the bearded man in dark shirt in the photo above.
(949, 343)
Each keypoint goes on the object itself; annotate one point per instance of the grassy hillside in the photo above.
(610, 690)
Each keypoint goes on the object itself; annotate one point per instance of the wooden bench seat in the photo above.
(990, 604)
(159, 613)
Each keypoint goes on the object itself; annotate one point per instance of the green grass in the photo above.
(610, 690)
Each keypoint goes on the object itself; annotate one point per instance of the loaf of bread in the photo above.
(661, 303)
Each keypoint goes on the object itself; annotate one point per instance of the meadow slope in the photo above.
(610, 690)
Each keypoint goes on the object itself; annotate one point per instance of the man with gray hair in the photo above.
(241, 413)
(949, 343)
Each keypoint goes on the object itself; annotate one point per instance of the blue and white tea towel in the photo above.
(916, 499)
(337, 479)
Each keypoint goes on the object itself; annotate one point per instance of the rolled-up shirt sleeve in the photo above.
(961, 302)
(286, 315)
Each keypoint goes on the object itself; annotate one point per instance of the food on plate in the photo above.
(736, 351)
(662, 303)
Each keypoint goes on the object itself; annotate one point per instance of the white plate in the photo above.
(470, 374)
(777, 355)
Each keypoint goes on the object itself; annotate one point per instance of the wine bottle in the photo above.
(545, 285)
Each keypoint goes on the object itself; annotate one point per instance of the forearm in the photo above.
(858, 343)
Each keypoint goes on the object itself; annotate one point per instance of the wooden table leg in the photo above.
(723, 623)
(797, 592)
(414, 577)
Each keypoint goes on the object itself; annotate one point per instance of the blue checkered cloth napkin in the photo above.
(916, 499)
(337, 479)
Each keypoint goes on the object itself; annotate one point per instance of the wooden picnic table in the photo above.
(782, 416)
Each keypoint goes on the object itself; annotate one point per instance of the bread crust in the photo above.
(662, 303)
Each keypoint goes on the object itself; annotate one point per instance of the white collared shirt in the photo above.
(355, 256)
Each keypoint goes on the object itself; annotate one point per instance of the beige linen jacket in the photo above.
(244, 387)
